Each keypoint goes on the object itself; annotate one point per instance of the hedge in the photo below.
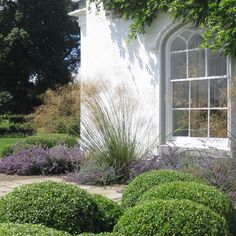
(101, 234)
(13, 118)
(57, 205)
(199, 193)
(10, 229)
(145, 181)
(17, 119)
(171, 217)
(109, 213)
(16, 130)
(51, 140)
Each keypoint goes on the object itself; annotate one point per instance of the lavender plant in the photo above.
(94, 173)
(219, 172)
(40, 161)
(215, 167)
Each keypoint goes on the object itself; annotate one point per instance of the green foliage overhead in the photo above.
(217, 17)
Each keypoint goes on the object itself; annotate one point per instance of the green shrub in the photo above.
(171, 217)
(16, 130)
(109, 213)
(51, 140)
(101, 234)
(6, 102)
(17, 119)
(57, 205)
(10, 229)
(145, 181)
(199, 193)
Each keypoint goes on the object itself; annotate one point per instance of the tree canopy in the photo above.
(217, 17)
(39, 48)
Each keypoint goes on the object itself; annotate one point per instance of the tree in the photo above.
(5, 102)
(39, 48)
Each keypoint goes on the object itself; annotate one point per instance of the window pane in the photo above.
(199, 94)
(180, 94)
(196, 63)
(218, 123)
(218, 93)
(198, 123)
(195, 41)
(180, 123)
(216, 64)
(178, 44)
(186, 34)
(178, 65)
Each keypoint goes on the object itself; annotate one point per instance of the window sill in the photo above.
(200, 143)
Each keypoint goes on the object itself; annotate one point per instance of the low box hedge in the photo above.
(109, 213)
(101, 234)
(146, 181)
(196, 192)
(171, 217)
(61, 206)
(10, 229)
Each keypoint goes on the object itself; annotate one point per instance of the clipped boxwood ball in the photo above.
(196, 192)
(101, 234)
(145, 181)
(109, 213)
(171, 217)
(60, 206)
(10, 229)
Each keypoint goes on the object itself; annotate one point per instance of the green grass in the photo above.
(8, 141)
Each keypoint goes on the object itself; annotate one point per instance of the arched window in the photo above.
(197, 88)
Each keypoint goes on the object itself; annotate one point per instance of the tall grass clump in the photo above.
(113, 129)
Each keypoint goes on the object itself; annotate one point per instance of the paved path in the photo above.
(9, 182)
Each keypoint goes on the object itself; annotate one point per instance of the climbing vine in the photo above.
(217, 17)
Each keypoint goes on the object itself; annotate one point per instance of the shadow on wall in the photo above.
(141, 53)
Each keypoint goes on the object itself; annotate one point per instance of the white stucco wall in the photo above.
(106, 55)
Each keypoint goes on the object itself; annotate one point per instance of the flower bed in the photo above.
(40, 161)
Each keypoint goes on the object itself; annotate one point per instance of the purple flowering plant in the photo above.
(36, 160)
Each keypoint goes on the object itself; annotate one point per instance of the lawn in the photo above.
(8, 141)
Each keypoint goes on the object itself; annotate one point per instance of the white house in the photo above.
(187, 88)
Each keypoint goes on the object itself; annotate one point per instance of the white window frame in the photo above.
(196, 142)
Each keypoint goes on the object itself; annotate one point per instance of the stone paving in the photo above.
(9, 182)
